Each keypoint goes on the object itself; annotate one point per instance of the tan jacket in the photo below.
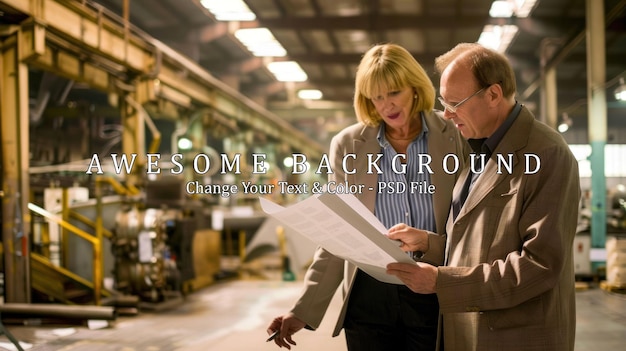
(327, 272)
(509, 281)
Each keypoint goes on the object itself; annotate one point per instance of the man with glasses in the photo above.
(508, 279)
(452, 108)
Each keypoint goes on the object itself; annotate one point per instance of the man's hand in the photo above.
(411, 239)
(287, 325)
(420, 277)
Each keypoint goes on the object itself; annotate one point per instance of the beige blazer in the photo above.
(327, 272)
(509, 280)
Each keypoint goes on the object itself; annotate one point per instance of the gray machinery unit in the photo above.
(153, 242)
(144, 265)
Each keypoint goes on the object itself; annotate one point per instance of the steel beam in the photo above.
(14, 170)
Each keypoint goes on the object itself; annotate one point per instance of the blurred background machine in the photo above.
(80, 228)
(159, 246)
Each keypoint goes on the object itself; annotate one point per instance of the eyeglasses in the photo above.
(453, 108)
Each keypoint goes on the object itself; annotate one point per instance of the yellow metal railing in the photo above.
(87, 221)
(95, 243)
(100, 232)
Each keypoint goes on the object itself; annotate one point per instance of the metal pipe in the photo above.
(156, 135)
(26, 310)
(121, 301)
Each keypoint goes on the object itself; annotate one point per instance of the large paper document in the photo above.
(343, 226)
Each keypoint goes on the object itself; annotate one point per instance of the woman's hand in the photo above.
(286, 326)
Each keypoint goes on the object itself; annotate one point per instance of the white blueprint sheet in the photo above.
(343, 226)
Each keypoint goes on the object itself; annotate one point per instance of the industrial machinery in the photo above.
(154, 240)
(144, 265)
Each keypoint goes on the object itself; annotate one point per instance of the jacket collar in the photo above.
(515, 139)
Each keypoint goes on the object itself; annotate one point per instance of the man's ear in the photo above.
(495, 94)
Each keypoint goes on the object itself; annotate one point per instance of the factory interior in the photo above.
(139, 135)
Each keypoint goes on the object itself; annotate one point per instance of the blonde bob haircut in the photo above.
(390, 67)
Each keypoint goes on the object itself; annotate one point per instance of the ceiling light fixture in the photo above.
(287, 71)
(310, 94)
(497, 37)
(620, 91)
(508, 8)
(523, 8)
(566, 123)
(501, 9)
(260, 42)
(231, 10)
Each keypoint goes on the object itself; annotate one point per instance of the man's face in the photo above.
(472, 115)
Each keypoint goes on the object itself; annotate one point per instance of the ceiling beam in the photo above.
(211, 32)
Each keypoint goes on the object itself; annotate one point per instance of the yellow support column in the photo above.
(15, 184)
(134, 121)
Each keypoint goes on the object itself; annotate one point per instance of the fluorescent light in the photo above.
(287, 71)
(508, 8)
(229, 10)
(501, 9)
(489, 39)
(497, 37)
(261, 42)
(524, 7)
(309, 94)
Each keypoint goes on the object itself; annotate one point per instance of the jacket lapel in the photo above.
(515, 139)
(440, 143)
(364, 144)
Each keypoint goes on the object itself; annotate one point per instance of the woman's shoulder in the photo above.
(356, 130)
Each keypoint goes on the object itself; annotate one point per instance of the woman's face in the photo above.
(394, 106)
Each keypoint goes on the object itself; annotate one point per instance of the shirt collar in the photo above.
(488, 145)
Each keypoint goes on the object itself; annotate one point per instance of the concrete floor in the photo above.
(233, 316)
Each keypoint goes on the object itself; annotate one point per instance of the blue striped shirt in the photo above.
(413, 208)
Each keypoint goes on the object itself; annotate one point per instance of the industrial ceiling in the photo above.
(328, 37)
